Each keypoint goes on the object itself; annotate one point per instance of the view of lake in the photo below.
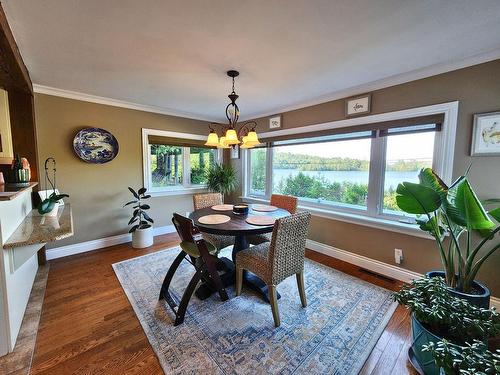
(359, 177)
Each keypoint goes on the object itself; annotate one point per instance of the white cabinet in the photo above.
(6, 150)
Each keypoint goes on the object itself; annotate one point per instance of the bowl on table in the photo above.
(240, 209)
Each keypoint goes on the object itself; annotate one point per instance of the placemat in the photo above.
(260, 220)
(222, 207)
(214, 219)
(264, 208)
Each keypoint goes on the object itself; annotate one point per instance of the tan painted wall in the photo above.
(478, 90)
(98, 192)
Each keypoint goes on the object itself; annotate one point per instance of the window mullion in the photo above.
(186, 169)
(376, 176)
(269, 172)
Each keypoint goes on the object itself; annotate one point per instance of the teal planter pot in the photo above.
(482, 299)
(421, 336)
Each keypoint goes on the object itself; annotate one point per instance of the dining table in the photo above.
(240, 229)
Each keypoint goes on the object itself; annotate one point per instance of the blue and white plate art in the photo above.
(95, 145)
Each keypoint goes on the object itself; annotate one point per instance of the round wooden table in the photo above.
(240, 229)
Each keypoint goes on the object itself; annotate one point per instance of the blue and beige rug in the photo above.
(335, 334)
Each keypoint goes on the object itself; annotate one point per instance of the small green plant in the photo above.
(457, 211)
(48, 204)
(471, 359)
(140, 219)
(447, 316)
(222, 179)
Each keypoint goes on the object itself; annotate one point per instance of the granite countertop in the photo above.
(37, 228)
(9, 192)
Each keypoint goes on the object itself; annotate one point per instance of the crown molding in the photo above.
(398, 79)
(48, 90)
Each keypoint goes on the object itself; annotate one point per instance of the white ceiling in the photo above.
(173, 54)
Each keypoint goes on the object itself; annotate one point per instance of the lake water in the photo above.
(392, 179)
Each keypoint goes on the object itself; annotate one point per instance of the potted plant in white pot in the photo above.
(457, 213)
(142, 229)
(49, 206)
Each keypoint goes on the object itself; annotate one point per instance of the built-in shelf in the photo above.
(9, 192)
(40, 229)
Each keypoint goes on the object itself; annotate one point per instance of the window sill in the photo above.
(379, 223)
(178, 191)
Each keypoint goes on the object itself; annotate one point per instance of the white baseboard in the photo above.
(82, 247)
(381, 268)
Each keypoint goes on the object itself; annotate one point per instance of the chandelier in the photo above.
(230, 135)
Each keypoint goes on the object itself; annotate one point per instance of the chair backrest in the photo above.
(188, 232)
(286, 202)
(287, 249)
(185, 227)
(206, 200)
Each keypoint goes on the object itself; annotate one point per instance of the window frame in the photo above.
(443, 157)
(186, 187)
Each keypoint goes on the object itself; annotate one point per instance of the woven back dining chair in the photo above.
(205, 200)
(286, 202)
(274, 261)
(203, 256)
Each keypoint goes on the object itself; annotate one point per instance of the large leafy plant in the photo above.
(445, 315)
(140, 219)
(455, 211)
(471, 359)
(222, 179)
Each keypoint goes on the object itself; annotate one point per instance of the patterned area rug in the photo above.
(335, 334)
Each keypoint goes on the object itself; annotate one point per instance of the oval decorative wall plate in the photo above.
(95, 145)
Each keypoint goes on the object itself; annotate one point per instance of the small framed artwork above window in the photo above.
(275, 122)
(176, 163)
(359, 105)
(486, 134)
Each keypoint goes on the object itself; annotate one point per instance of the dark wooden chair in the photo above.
(203, 256)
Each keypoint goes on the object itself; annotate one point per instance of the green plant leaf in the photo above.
(133, 228)
(145, 207)
(464, 208)
(141, 191)
(146, 197)
(417, 199)
(222, 179)
(146, 216)
(133, 220)
(46, 206)
(495, 214)
(429, 178)
(58, 197)
(133, 193)
(129, 203)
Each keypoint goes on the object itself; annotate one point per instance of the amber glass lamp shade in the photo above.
(252, 138)
(212, 140)
(222, 143)
(231, 137)
(245, 144)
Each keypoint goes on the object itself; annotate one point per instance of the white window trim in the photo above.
(444, 149)
(146, 173)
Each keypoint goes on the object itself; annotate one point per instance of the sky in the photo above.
(408, 146)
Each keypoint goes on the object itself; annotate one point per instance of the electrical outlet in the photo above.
(398, 256)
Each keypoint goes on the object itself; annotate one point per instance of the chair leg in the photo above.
(302, 289)
(212, 271)
(239, 280)
(181, 311)
(170, 274)
(274, 304)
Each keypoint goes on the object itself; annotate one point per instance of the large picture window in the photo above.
(354, 172)
(176, 165)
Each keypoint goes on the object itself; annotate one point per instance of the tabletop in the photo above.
(237, 225)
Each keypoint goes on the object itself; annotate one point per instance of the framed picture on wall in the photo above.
(275, 122)
(235, 152)
(358, 105)
(486, 134)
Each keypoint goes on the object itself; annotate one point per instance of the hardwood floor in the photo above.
(89, 327)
